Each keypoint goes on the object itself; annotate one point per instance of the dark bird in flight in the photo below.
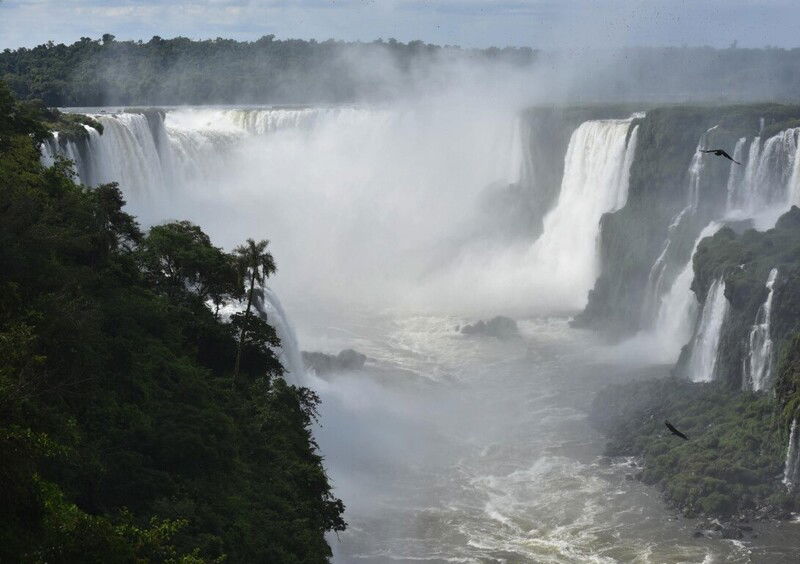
(720, 153)
(674, 431)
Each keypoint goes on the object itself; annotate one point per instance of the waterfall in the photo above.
(677, 309)
(766, 181)
(696, 171)
(270, 309)
(791, 469)
(392, 192)
(655, 287)
(768, 178)
(735, 175)
(758, 362)
(595, 182)
(794, 179)
(702, 362)
(654, 290)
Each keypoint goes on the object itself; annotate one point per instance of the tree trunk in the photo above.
(241, 332)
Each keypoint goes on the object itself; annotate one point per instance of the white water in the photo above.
(270, 309)
(767, 180)
(651, 313)
(702, 363)
(761, 189)
(564, 261)
(391, 193)
(791, 469)
(367, 205)
(696, 168)
(445, 447)
(735, 175)
(675, 316)
(758, 362)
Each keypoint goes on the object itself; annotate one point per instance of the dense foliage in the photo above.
(123, 436)
(744, 261)
(181, 71)
(732, 463)
(162, 71)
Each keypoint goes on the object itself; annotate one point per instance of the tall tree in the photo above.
(255, 265)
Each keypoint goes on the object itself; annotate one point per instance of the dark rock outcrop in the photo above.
(322, 363)
(501, 327)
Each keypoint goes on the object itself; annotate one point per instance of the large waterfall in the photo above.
(363, 204)
(702, 362)
(758, 362)
(565, 259)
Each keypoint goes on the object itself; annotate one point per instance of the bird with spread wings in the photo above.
(720, 153)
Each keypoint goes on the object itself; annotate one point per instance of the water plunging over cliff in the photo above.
(758, 362)
(703, 358)
(735, 175)
(767, 178)
(791, 469)
(677, 309)
(654, 293)
(392, 193)
(596, 174)
(270, 309)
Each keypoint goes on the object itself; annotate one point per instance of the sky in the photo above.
(543, 24)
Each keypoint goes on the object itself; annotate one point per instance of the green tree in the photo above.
(255, 266)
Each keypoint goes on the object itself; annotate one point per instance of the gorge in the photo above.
(393, 225)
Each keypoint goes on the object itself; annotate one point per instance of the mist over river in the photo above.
(392, 227)
(484, 454)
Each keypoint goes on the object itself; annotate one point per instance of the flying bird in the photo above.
(674, 431)
(720, 153)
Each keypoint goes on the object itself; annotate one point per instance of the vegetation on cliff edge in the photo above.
(123, 436)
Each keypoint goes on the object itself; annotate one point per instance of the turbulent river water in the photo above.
(449, 448)
(446, 447)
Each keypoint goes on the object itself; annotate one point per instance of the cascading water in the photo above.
(696, 171)
(762, 186)
(791, 469)
(758, 362)
(270, 309)
(702, 363)
(656, 278)
(596, 173)
(735, 175)
(392, 193)
(354, 201)
(767, 178)
(677, 310)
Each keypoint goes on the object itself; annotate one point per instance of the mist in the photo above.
(408, 190)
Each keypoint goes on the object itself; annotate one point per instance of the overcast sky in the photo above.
(470, 23)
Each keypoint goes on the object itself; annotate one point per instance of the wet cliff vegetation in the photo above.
(632, 238)
(733, 465)
(124, 435)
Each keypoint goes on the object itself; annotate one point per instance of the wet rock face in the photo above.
(322, 363)
(500, 327)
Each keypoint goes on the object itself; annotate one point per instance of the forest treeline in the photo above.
(181, 71)
(105, 71)
(137, 424)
